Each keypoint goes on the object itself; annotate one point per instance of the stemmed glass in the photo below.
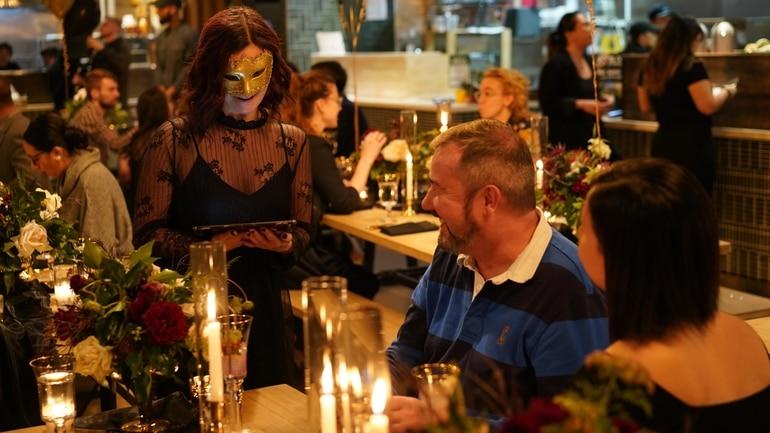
(387, 192)
(235, 342)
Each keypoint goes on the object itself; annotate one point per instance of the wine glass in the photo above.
(235, 341)
(387, 192)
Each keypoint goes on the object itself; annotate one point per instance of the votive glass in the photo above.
(439, 387)
(56, 391)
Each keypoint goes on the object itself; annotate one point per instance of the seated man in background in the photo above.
(346, 135)
(103, 94)
(505, 293)
(6, 54)
(13, 123)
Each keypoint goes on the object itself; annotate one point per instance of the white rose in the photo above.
(395, 151)
(93, 359)
(600, 148)
(51, 204)
(32, 237)
(80, 96)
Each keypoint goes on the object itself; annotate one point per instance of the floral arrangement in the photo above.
(29, 226)
(116, 117)
(129, 318)
(567, 176)
(608, 395)
(393, 155)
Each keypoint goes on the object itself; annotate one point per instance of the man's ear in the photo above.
(491, 197)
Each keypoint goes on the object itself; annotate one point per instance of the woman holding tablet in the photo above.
(228, 162)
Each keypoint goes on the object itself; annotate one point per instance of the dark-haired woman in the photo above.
(152, 109)
(91, 197)
(711, 370)
(228, 162)
(675, 84)
(566, 91)
(318, 105)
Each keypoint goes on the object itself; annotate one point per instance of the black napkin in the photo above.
(408, 228)
(174, 408)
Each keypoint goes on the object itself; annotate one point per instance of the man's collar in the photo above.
(524, 267)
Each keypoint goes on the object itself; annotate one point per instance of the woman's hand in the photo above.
(372, 144)
(407, 414)
(231, 239)
(269, 239)
(589, 105)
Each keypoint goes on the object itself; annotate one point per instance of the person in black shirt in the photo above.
(675, 84)
(318, 105)
(346, 136)
(112, 54)
(6, 53)
(566, 84)
(641, 38)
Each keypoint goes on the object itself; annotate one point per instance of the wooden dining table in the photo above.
(273, 409)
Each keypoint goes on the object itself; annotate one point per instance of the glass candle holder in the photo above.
(323, 300)
(56, 391)
(408, 119)
(208, 268)
(363, 370)
(62, 292)
(439, 386)
(443, 114)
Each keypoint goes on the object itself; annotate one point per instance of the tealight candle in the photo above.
(539, 174)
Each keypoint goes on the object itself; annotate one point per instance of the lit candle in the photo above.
(409, 180)
(378, 421)
(444, 121)
(539, 174)
(355, 382)
(63, 294)
(328, 402)
(58, 409)
(344, 394)
(213, 332)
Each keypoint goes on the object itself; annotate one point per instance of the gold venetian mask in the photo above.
(249, 75)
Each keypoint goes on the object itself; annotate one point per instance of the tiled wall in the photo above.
(303, 19)
(742, 197)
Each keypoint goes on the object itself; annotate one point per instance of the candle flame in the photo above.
(355, 380)
(327, 381)
(379, 396)
(211, 305)
(539, 164)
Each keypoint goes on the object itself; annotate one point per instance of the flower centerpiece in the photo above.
(30, 226)
(393, 155)
(131, 319)
(608, 395)
(567, 177)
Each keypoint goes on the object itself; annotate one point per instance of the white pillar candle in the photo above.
(214, 334)
(328, 402)
(409, 178)
(378, 421)
(539, 174)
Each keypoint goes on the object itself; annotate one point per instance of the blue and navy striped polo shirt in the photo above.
(523, 339)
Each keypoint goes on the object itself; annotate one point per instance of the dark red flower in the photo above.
(165, 323)
(624, 425)
(580, 187)
(68, 322)
(146, 294)
(540, 413)
(77, 282)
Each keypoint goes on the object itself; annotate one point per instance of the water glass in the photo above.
(235, 342)
(56, 391)
(387, 192)
(439, 386)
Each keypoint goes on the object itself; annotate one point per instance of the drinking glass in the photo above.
(439, 386)
(387, 192)
(56, 390)
(235, 341)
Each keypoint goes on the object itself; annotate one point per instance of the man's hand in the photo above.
(407, 414)
(94, 44)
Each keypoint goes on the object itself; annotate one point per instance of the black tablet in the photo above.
(279, 226)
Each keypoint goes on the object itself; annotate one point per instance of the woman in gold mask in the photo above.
(227, 161)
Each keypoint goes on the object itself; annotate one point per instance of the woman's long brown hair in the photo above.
(673, 50)
(224, 34)
(305, 90)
